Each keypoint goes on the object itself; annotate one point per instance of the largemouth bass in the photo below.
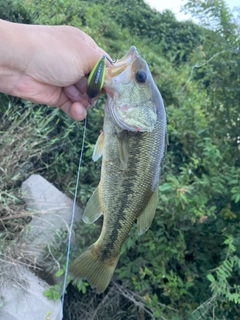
(133, 146)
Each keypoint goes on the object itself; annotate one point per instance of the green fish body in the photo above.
(133, 146)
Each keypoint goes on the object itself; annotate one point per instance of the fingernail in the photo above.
(80, 112)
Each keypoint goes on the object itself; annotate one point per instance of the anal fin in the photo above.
(98, 149)
(93, 208)
(123, 148)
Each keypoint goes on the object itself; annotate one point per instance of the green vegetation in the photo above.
(187, 266)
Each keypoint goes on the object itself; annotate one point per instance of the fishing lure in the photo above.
(97, 77)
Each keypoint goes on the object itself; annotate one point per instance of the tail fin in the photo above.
(98, 273)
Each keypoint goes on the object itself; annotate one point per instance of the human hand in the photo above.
(48, 64)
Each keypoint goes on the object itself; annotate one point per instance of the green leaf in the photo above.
(59, 273)
(210, 277)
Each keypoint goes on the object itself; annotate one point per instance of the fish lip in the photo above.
(120, 65)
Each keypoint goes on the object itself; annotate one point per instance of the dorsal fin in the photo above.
(144, 221)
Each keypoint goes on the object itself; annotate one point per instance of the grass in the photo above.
(43, 140)
(29, 141)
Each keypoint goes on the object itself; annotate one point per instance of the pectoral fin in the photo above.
(98, 149)
(123, 148)
(144, 221)
(93, 209)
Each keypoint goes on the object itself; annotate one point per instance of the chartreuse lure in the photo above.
(96, 78)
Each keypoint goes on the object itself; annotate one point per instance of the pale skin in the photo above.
(48, 65)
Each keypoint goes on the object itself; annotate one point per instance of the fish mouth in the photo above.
(121, 65)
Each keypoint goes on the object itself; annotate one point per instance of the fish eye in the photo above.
(141, 76)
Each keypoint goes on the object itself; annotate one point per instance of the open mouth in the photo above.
(120, 65)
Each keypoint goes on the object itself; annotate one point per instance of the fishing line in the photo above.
(73, 215)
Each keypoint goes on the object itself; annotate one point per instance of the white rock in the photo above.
(24, 300)
(21, 291)
(52, 211)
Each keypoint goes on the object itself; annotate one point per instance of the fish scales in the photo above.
(133, 147)
(134, 185)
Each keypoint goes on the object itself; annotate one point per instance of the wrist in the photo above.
(12, 55)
